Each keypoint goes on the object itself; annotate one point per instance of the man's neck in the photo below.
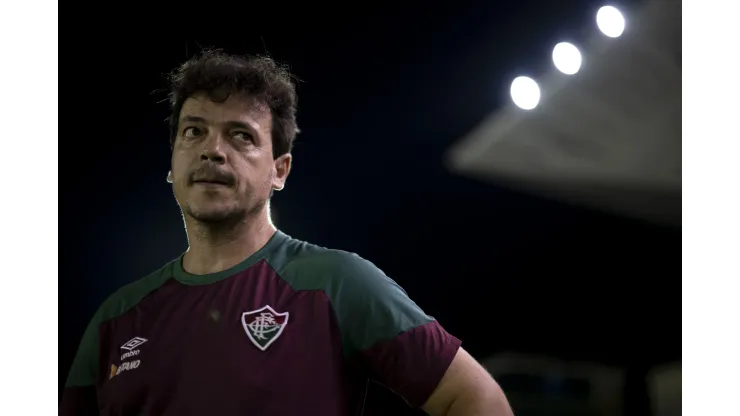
(214, 249)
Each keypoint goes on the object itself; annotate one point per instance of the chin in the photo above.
(214, 217)
(214, 214)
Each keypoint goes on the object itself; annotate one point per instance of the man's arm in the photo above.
(400, 346)
(79, 397)
(79, 401)
(467, 389)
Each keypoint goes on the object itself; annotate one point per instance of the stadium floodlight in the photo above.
(567, 58)
(610, 21)
(525, 93)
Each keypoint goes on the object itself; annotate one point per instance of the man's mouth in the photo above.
(211, 182)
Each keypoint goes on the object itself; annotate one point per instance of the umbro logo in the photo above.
(133, 343)
(130, 347)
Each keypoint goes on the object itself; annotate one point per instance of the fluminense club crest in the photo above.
(263, 326)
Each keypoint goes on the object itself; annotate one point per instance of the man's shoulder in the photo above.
(325, 259)
(369, 306)
(313, 265)
(127, 296)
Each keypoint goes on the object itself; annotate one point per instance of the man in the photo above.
(250, 321)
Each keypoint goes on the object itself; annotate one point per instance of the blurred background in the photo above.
(515, 166)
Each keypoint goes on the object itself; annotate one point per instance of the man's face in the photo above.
(222, 164)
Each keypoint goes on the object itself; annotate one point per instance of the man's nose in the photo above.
(213, 149)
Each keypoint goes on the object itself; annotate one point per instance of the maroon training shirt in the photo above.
(294, 329)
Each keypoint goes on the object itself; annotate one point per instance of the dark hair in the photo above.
(221, 75)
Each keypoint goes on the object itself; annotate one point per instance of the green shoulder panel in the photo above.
(369, 306)
(84, 371)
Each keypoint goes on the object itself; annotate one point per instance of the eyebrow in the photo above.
(231, 124)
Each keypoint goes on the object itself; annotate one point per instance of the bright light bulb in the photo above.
(567, 58)
(610, 21)
(525, 93)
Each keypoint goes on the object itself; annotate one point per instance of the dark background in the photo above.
(385, 90)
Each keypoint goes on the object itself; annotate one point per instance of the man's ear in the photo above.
(282, 170)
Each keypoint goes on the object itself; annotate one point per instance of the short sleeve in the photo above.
(80, 391)
(384, 331)
(79, 395)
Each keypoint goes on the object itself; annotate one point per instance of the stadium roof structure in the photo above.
(608, 137)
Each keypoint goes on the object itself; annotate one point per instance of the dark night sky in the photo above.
(385, 90)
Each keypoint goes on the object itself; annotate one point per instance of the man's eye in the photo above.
(191, 132)
(242, 136)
